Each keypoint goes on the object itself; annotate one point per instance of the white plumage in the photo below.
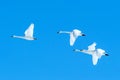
(73, 35)
(95, 53)
(28, 33)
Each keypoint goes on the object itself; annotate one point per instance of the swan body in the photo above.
(73, 35)
(95, 53)
(28, 34)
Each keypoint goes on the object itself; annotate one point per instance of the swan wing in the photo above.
(29, 31)
(94, 59)
(72, 39)
(92, 46)
(101, 51)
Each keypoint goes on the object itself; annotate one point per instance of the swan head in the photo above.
(77, 50)
(102, 52)
(12, 36)
(78, 32)
(83, 50)
(58, 32)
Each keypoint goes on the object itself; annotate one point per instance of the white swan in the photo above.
(96, 53)
(28, 34)
(73, 35)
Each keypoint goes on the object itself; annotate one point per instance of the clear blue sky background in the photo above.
(50, 57)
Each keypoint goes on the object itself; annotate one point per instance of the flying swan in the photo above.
(28, 34)
(96, 53)
(73, 35)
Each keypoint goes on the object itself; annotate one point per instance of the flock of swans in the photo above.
(95, 53)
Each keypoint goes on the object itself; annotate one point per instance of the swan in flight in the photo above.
(96, 53)
(28, 33)
(73, 35)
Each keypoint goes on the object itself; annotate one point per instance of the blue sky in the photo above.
(50, 57)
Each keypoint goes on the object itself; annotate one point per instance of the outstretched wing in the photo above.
(29, 31)
(94, 59)
(72, 39)
(92, 46)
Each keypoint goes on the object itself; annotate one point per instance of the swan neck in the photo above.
(18, 36)
(65, 32)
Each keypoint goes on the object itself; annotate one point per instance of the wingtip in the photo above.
(94, 64)
(71, 44)
(94, 43)
(32, 22)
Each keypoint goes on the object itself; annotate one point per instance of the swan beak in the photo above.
(106, 55)
(35, 38)
(83, 35)
(58, 32)
(81, 50)
(74, 50)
